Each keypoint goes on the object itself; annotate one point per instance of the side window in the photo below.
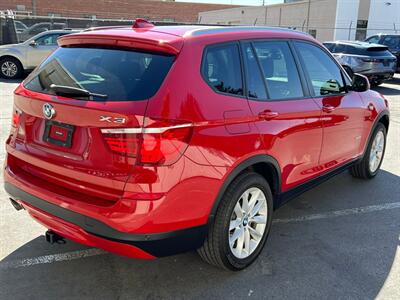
(221, 68)
(255, 82)
(329, 46)
(279, 70)
(373, 39)
(393, 42)
(47, 40)
(340, 48)
(324, 74)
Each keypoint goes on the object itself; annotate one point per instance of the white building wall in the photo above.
(346, 19)
(384, 16)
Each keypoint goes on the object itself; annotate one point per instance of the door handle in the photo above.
(328, 108)
(268, 115)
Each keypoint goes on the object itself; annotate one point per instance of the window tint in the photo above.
(329, 46)
(373, 39)
(392, 41)
(279, 68)
(121, 75)
(323, 72)
(47, 40)
(222, 70)
(255, 82)
(340, 48)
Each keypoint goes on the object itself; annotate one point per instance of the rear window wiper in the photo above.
(74, 91)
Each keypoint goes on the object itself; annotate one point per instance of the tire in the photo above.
(218, 250)
(363, 169)
(10, 68)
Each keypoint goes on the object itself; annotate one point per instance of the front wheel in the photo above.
(370, 164)
(241, 225)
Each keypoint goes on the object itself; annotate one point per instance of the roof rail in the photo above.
(142, 23)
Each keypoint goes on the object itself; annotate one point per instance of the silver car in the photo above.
(372, 60)
(15, 59)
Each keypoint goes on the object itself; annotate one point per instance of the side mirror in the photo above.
(360, 83)
(33, 44)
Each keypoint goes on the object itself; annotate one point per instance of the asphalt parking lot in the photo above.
(339, 240)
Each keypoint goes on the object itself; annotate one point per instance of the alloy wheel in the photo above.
(376, 153)
(248, 222)
(9, 69)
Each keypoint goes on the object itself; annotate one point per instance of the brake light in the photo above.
(157, 144)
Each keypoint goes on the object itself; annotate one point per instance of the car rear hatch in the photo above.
(379, 58)
(89, 84)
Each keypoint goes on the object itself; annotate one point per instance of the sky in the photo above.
(236, 2)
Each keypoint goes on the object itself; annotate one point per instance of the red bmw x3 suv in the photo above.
(150, 141)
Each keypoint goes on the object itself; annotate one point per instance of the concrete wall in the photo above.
(384, 18)
(346, 19)
(294, 15)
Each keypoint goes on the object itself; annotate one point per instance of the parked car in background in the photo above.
(19, 26)
(372, 60)
(151, 148)
(15, 59)
(38, 28)
(392, 41)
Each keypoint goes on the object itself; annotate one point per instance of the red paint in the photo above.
(159, 182)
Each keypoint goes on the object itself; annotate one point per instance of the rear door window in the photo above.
(255, 82)
(279, 70)
(324, 74)
(373, 39)
(221, 68)
(392, 41)
(120, 75)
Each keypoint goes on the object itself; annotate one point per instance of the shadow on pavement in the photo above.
(2, 80)
(347, 256)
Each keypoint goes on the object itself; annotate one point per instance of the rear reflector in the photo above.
(154, 145)
(16, 117)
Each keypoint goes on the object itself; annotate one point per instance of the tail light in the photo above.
(122, 143)
(368, 59)
(157, 144)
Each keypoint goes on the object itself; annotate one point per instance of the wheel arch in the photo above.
(383, 118)
(265, 165)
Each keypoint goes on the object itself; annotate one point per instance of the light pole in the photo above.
(308, 14)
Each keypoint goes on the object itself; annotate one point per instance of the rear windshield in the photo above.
(116, 74)
(368, 51)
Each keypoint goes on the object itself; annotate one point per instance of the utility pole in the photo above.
(34, 12)
(308, 14)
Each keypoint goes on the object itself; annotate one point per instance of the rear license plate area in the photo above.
(59, 134)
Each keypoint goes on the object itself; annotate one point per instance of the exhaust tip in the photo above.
(16, 205)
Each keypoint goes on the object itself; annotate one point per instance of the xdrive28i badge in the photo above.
(48, 111)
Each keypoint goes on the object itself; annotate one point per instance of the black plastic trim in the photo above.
(284, 197)
(241, 167)
(156, 244)
(376, 121)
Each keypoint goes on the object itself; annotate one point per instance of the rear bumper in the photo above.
(379, 75)
(92, 232)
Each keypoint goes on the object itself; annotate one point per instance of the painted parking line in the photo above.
(48, 259)
(339, 213)
(51, 258)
